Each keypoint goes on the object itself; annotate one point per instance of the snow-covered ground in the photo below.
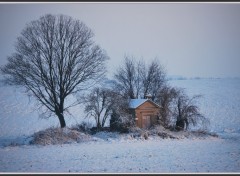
(19, 116)
(118, 154)
(151, 156)
(220, 102)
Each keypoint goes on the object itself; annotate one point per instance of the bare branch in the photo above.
(55, 57)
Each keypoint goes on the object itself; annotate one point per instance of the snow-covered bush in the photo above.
(121, 123)
(82, 127)
(58, 136)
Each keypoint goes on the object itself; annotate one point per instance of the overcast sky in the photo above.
(189, 39)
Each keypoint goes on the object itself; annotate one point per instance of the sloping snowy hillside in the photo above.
(113, 153)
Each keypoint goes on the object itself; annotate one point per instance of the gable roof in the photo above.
(134, 103)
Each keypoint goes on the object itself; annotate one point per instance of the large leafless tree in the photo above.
(55, 57)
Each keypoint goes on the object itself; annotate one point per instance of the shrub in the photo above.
(121, 124)
(58, 136)
(145, 135)
(82, 127)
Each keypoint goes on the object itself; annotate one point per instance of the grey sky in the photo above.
(189, 39)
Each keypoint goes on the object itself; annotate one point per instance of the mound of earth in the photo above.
(52, 136)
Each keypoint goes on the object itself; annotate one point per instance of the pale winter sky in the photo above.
(189, 39)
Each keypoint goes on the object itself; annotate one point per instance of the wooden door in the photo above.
(146, 122)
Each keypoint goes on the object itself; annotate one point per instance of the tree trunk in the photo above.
(60, 113)
(98, 123)
(61, 120)
(180, 122)
(180, 125)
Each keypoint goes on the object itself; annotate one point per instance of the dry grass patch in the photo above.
(58, 136)
(164, 133)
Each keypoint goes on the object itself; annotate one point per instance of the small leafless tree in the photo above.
(186, 112)
(153, 79)
(55, 57)
(135, 80)
(99, 104)
(166, 99)
(128, 78)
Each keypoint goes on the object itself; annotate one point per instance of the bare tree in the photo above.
(128, 78)
(135, 80)
(153, 79)
(166, 99)
(99, 104)
(55, 57)
(186, 112)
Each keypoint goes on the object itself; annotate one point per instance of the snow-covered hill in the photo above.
(220, 103)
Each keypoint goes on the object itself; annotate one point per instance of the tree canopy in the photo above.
(55, 57)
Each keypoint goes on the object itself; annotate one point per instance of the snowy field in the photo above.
(221, 104)
(150, 156)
